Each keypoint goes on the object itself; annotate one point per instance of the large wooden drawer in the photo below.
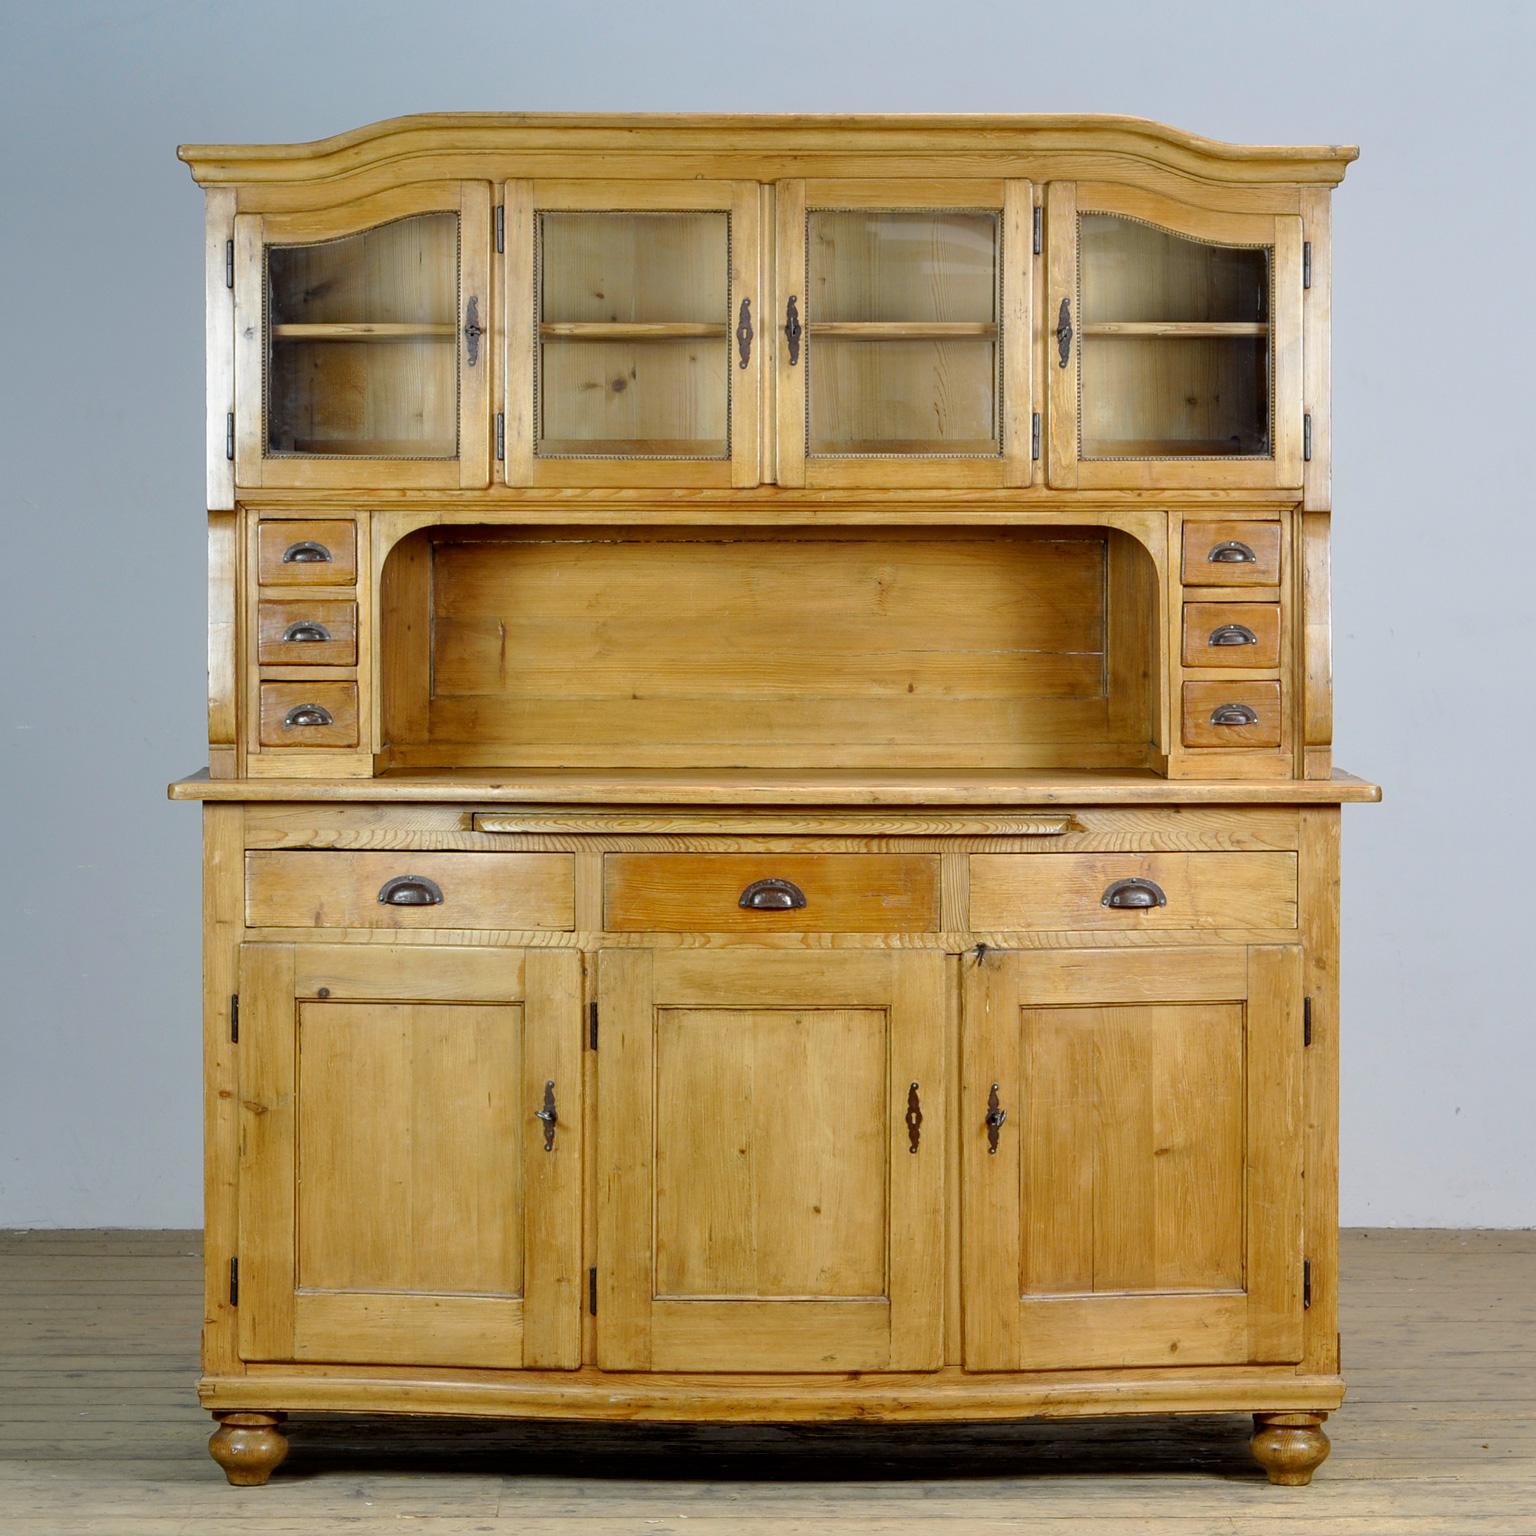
(410, 889)
(802, 892)
(1064, 891)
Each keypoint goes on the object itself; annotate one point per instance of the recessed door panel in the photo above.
(401, 1199)
(1131, 1160)
(771, 1152)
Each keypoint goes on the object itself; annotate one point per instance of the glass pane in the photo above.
(894, 397)
(1175, 340)
(634, 335)
(362, 336)
(902, 334)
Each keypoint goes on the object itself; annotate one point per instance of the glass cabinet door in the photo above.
(1174, 342)
(633, 334)
(363, 343)
(903, 345)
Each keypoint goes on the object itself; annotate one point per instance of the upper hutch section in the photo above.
(494, 303)
(859, 445)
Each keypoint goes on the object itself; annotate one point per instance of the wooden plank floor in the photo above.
(100, 1432)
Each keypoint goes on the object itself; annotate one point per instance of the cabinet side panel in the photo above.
(1317, 227)
(1320, 981)
(219, 343)
(223, 625)
(223, 881)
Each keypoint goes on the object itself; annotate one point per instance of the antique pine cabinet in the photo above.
(771, 835)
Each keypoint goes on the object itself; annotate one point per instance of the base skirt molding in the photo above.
(949, 1395)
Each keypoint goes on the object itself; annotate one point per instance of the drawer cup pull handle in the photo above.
(1232, 552)
(306, 552)
(1234, 714)
(1233, 634)
(306, 632)
(772, 895)
(549, 1115)
(306, 715)
(411, 891)
(1135, 894)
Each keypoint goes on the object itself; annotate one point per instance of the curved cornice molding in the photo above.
(476, 135)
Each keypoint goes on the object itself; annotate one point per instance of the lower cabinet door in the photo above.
(1131, 1157)
(401, 1201)
(771, 1160)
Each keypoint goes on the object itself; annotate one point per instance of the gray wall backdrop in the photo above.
(101, 480)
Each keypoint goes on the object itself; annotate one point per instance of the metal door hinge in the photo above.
(1039, 224)
(501, 434)
(1306, 1284)
(1306, 1021)
(234, 1282)
(229, 263)
(234, 1018)
(592, 1024)
(229, 437)
(592, 1290)
(1306, 263)
(1306, 438)
(1034, 434)
(501, 228)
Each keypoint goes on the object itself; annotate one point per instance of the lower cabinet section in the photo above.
(770, 1157)
(400, 1201)
(770, 1161)
(1131, 1158)
(1055, 1162)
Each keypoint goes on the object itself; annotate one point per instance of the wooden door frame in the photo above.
(522, 202)
(253, 232)
(277, 1322)
(902, 1331)
(1065, 202)
(1261, 1324)
(1013, 199)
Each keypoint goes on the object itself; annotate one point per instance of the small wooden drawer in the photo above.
(309, 714)
(306, 554)
(1231, 714)
(1051, 892)
(1236, 554)
(306, 634)
(1231, 634)
(410, 889)
(764, 892)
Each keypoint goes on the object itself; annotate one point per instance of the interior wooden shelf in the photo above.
(362, 330)
(1177, 328)
(1166, 448)
(364, 448)
(904, 330)
(744, 786)
(631, 330)
(631, 448)
(928, 447)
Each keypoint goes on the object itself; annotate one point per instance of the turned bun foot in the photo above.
(249, 1446)
(1290, 1446)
